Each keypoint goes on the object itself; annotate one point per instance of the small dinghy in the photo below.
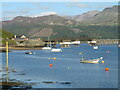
(95, 47)
(29, 52)
(46, 48)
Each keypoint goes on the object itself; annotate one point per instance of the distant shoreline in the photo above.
(2, 49)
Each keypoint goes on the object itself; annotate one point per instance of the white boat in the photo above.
(56, 50)
(91, 60)
(46, 48)
(75, 42)
(95, 47)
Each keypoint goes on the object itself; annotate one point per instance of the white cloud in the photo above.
(76, 4)
(8, 12)
(11, 16)
(24, 11)
(39, 6)
(60, 0)
(45, 14)
(103, 6)
(8, 17)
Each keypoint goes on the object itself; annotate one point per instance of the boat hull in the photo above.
(95, 47)
(91, 61)
(46, 48)
(29, 52)
(56, 50)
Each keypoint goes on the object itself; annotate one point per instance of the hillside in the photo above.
(93, 24)
(109, 16)
(25, 24)
(85, 16)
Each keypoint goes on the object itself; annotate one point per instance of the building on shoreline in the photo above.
(24, 41)
(104, 42)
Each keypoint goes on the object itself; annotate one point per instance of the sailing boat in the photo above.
(48, 47)
(56, 50)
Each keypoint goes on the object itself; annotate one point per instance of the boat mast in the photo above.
(48, 42)
(6, 55)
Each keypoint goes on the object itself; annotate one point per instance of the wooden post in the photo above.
(6, 55)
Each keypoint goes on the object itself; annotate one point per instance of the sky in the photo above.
(33, 9)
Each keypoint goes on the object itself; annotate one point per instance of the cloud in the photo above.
(60, 0)
(45, 14)
(76, 4)
(102, 6)
(5, 4)
(11, 16)
(24, 11)
(39, 6)
(95, 5)
(9, 12)
(8, 17)
(18, 12)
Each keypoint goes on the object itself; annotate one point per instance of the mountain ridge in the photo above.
(60, 26)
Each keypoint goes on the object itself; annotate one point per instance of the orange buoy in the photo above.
(107, 69)
(50, 65)
(54, 58)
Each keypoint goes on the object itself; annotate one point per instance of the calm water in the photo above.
(66, 67)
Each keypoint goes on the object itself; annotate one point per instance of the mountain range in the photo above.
(92, 24)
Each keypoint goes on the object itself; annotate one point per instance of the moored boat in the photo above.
(95, 47)
(29, 52)
(46, 48)
(56, 50)
(91, 60)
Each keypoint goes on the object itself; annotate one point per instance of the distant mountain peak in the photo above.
(21, 18)
(96, 24)
(86, 15)
(115, 8)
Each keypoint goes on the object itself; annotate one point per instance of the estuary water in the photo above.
(66, 68)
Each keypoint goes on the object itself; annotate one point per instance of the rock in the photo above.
(28, 79)
(47, 82)
(14, 71)
(22, 74)
(65, 82)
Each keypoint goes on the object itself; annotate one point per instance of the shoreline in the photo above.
(3, 49)
(35, 48)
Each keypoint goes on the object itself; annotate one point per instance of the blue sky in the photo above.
(13, 9)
